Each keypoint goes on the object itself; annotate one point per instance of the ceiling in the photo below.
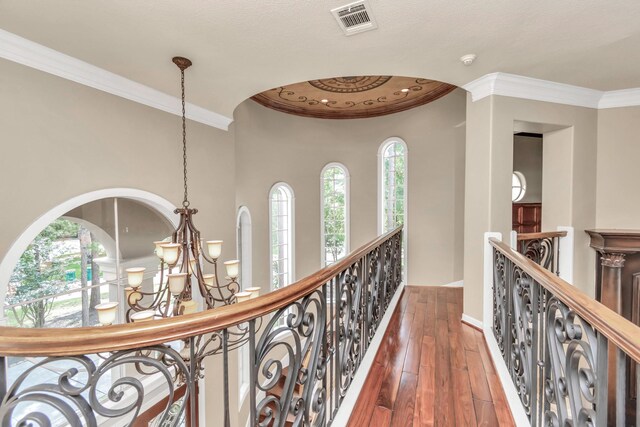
(242, 47)
(353, 97)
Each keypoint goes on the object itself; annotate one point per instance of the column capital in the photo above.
(613, 260)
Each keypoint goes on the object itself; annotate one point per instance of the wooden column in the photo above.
(616, 250)
(610, 296)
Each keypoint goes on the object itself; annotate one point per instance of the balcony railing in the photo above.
(566, 353)
(306, 342)
(542, 248)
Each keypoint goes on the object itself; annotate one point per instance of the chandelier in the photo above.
(183, 259)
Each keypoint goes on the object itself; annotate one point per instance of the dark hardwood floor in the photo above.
(431, 369)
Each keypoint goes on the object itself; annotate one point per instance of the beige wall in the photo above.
(139, 224)
(618, 153)
(490, 125)
(527, 159)
(273, 146)
(61, 139)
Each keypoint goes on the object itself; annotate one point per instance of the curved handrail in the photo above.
(618, 330)
(543, 235)
(97, 339)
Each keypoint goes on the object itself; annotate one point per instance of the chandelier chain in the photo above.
(185, 202)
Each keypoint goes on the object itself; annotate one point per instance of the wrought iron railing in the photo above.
(566, 353)
(306, 342)
(542, 248)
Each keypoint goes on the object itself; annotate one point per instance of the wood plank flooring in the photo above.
(431, 369)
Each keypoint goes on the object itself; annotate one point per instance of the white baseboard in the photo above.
(350, 399)
(458, 284)
(517, 411)
(472, 321)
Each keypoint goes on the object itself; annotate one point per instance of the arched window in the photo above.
(518, 186)
(281, 235)
(334, 211)
(392, 184)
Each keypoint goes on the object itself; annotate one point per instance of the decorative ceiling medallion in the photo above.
(350, 84)
(353, 97)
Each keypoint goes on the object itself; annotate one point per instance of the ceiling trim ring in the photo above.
(22, 51)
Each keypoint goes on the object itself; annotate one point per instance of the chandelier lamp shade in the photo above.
(183, 260)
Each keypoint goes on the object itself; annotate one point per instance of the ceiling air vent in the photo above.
(355, 17)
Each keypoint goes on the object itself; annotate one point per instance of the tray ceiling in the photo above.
(353, 97)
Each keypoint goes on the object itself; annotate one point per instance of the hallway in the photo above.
(431, 369)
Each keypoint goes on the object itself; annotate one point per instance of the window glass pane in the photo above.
(334, 211)
(393, 181)
(280, 236)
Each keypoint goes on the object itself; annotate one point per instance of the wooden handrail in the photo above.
(98, 339)
(545, 234)
(618, 330)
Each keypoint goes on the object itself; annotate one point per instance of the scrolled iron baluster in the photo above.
(543, 251)
(305, 322)
(74, 397)
(349, 333)
(522, 339)
(499, 300)
(572, 383)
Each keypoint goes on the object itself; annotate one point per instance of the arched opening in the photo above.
(72, 257)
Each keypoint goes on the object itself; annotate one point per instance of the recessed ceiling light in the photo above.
(324, 101)
(468, 59)
(405, 90)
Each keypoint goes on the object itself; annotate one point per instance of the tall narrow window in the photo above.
(334, 212)
(281, 234)
(393, 184)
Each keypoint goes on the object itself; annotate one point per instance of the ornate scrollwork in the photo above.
(500, 309)
(541, 251)
(349, 325)
(296, 393)
(522, 356)
(571, 376)
(84, 390)
(376, 292)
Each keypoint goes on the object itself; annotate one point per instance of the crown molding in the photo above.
(620, 98)
(543, 90)
(22, 51)
(534, 89)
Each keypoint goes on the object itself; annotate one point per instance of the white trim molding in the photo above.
(533, 89)
(522, 87)
(458, 284)
(22, 51)
(620, 98)
(513, 400)
(566, 254)
(351, 397)
(472, 321)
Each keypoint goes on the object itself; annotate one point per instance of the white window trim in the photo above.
(347, 228)
(246, 281)
(405, 232)
(292, 232)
